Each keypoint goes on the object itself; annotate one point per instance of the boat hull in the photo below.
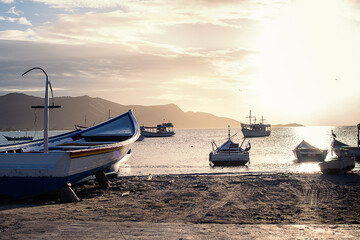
(337, 165)
(253, 133)
(228, 159)
(153, 134)
(308, 156)
(28, 174)
(348, 151)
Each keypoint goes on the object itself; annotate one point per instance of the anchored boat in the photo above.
(229, 153)
(23, 138)
(254, 129)
(304, 151)
(341, 149)
(161, 130)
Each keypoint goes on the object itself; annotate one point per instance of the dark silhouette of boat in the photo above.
(24, 138)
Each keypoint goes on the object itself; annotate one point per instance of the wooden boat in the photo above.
(337, 165)
(306, 152)
(341, 149)
(23, 138)
(25, 170)
(255, 129)
(42, 166)
(229, 153)
(161, 130)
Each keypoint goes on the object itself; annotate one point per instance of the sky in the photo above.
(291, 61)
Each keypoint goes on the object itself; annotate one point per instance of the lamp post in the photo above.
(46, 108)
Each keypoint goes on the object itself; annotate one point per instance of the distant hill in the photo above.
(17, 114)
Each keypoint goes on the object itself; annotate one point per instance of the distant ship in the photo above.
(23, 138)
(161, 130)
(255, 129)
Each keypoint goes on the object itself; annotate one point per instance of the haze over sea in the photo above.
(188, 151)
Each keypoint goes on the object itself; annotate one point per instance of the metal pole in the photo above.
(358, 142)
(46, 108)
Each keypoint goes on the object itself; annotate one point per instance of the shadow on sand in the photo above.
(343, 179)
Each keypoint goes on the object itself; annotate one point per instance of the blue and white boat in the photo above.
(26, 170)
(47, 165)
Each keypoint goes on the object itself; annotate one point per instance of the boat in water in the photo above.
(161, 130)
(253, 129)
(342, 149)
(229, 153)
(50, 164)
(337, 165)
(23, 138)
(304, 151)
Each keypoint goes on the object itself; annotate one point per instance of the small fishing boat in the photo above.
(44, 166)
(254, 129)
(337, 165)
(341, 149)
(23, 138)
(306, 152)
(161, 130)
(229, 153)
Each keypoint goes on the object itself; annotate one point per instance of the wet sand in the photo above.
(223, 206)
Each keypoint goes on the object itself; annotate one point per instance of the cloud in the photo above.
(21, 20)
(13, 11)
(7, 1)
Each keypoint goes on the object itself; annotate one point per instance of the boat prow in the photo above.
(337, 165)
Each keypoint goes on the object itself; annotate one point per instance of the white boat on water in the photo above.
(341, 149)
(254, 129)
(337, 165)
(304, 151)
(161, 130)
(50, 164)
(229, 153)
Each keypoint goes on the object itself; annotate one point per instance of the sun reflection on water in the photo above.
(319, 137)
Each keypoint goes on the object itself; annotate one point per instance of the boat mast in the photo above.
(229, 132)
(358, 135)
(46, 108)
(250, 117)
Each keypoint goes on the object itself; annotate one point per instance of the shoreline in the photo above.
(189, 200)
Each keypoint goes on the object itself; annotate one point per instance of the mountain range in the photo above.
(17, 114)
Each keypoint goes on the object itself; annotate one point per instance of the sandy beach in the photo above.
(219, 206)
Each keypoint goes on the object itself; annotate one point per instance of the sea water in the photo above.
(188, 151)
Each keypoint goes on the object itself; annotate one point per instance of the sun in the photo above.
(302, 51)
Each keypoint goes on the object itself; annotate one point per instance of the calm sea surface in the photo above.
(188, 151)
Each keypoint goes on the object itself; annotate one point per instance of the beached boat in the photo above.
(337, 165)
(229, 153)
(25, 169)
(43, 166)
(161, 130)
(304, 151)
(23, 138)
(254, 129)
(114, 130)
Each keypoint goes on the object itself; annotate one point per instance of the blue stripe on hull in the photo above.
(19, 187)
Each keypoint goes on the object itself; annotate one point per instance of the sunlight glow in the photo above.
(302, 55)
